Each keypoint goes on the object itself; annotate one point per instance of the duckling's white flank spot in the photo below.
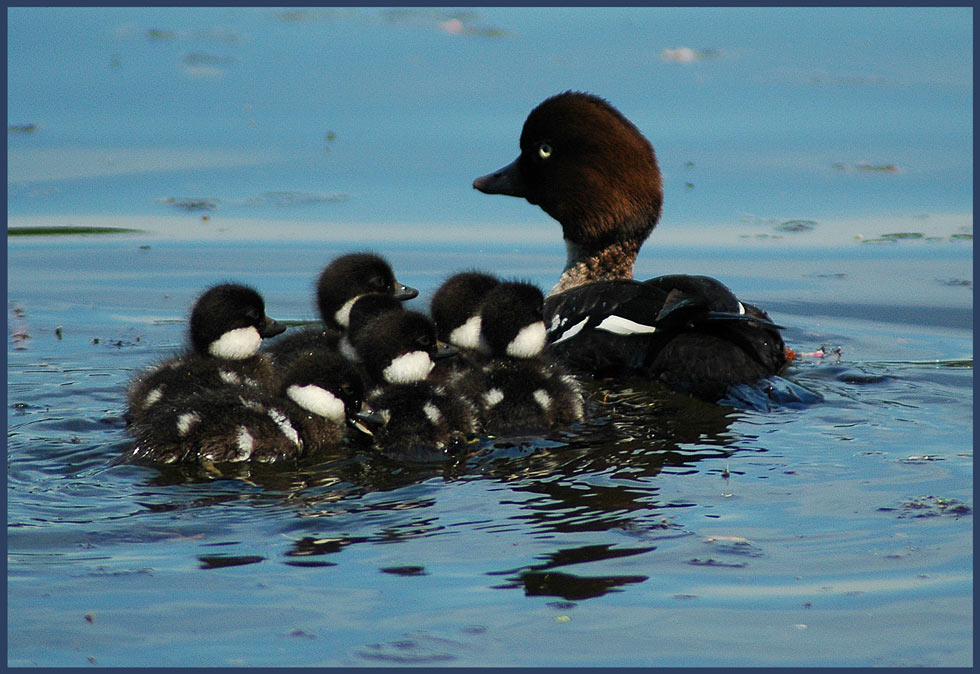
(319, 401)
(186, 421)
(408, 367)
(741, 308)
(286, 428)
(433, 413)
(529, 341)
(385, 415)
(467, 336)
(342, 316)
(152, 397)
(572, 331)
(229, 377)
(624, 326)
(236, 344)
(246, 443)
(492, 397)
(543, 399)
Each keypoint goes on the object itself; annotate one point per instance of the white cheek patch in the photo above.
(342, 315)
(286, 428)
(492, 397)
(543, 399)
(624, 326)
(467, 336)
(529, 341)
(185, 423)
(319, 401)
(408, 368)
(741, 308)
(347, 350)
(152, 397)
(236, 344)
(433, 413)
(246, 443)
(571, 332)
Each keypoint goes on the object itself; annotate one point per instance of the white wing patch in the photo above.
(236, 344)
(572, 331)
(285, 427)
(246, 443)
(624, 326)
(408, 368)
(433, 413)
(319, 401)
(492, 397)
(543, 399)
(529, 341)
(185, 422)
(229, 377)
(152, 397)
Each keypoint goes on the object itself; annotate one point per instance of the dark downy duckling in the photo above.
(518, 390)
(340, 285)
(227, 326)
(416, 419)
(320, 395)
(455, 307)
(591, 169)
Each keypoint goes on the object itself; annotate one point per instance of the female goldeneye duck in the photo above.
(591, 169)
(320, 395)
(340, 285)
(516, 389)
(227, 326)
(398, 347)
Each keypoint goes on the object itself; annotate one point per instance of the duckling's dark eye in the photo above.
(424, 340)
(544, 150)
(378, 282)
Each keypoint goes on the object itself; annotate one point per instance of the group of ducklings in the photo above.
(413, 386)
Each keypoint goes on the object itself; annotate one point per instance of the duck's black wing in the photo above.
(604, 328)
(691, 332)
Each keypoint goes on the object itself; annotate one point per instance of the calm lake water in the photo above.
(818, 161)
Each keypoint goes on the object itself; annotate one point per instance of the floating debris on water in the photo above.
(930, 506)
(865, 167)
(956, 282)
(191, 205)
(62, 230)
(21, 128)
(688, 55)
(903, 235)
(797, 226)
(405, 570)
(158, 34)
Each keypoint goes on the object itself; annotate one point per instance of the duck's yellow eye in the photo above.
(544, 150)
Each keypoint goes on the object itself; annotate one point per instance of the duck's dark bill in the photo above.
(403, 292)
(271, 328)
(506, 180)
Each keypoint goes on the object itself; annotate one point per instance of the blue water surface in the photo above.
(816, 160)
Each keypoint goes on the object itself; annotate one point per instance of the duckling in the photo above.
(518, 390)
(418, 419)
(398, 347)
(319, 395)
(340, 285)
(455, 307)
(227, 326)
